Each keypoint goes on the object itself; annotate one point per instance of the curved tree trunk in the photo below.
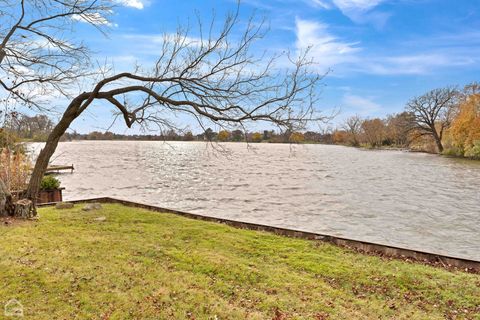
(72, 112)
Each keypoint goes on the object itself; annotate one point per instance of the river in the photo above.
(411, 200)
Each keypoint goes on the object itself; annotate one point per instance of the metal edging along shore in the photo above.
(363, 246)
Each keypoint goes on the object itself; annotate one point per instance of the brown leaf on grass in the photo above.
(321, 316)
(279, 315)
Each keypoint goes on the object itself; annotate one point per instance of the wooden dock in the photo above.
(58, 168)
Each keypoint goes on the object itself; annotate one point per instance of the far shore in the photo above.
(362, 147)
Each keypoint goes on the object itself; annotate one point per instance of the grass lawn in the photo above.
(143, 265)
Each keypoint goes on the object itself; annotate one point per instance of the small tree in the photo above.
(433, 112)
(353, 126)
(297, 137)
(238, 135)
(374, 132)
(340, 137)
(257, 137)
(223, 135)
(188, 136)
(399, 127)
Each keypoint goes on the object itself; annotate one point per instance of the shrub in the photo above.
(297, 137)
(453, 151)
(223, 135)
(15, 169)
(474, 152)
(50, 183)
(257, 137)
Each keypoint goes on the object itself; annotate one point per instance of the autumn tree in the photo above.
(374, 132)
(340, 137)
(223, 135)
(214, 78)
(465, 129)
(433, 113)
(399, 127)
(353, 126)
(297, 137)
(257, 137)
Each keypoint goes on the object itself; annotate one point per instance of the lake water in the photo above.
(411, 200)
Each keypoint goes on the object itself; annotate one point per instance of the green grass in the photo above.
(143, 265)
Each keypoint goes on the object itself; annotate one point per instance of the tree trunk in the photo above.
(6, 203)
(439, 146)
(438, 141)
(48, 150)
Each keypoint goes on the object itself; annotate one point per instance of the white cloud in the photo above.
(361, 11)
(326, 49)
(93, 18)
(137, 4)
(98, 19)
(414, 64)
(319, 4)
(345, 5)
(356, 5)
(360, 105)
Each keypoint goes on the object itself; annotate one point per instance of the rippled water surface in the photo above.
(412, 200)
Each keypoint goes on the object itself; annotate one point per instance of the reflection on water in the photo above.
(413, 200)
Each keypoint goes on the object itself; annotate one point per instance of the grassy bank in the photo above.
(143, 265)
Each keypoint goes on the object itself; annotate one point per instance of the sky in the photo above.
(377, 54)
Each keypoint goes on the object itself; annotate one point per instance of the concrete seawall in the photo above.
(362, 246)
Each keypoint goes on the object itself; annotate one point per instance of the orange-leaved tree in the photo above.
(464, 132)
(297, 137)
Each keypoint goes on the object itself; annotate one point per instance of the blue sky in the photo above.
(380, 53)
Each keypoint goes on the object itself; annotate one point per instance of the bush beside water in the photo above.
(49, 183)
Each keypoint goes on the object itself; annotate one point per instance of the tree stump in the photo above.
(24, 209)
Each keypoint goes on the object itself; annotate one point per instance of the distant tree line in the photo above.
(35, 128)
(445, 120)
(394, 130)
(211, 135)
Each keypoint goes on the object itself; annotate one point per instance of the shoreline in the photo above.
(364, 247)
(384, 148)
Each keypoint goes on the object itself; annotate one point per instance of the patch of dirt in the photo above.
(10, 221)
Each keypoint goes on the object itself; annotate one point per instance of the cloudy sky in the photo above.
(378, 53)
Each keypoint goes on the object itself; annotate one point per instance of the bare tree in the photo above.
(209, 77)
(353, 126)
(38, 55)
(433, 112)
